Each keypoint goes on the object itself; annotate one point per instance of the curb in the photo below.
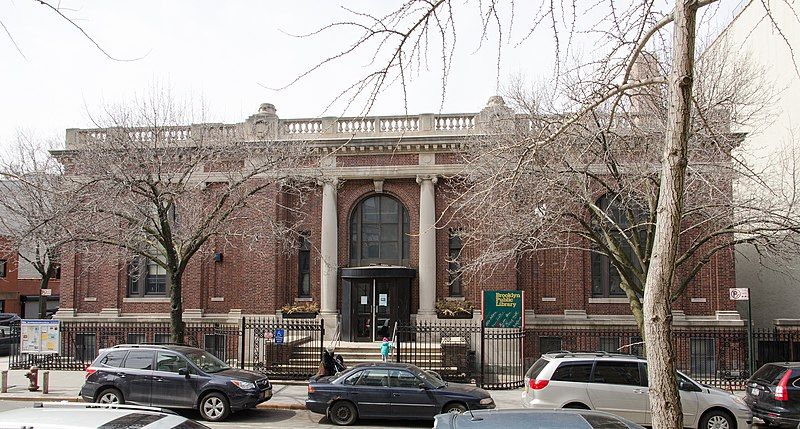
(264, 405)
(280, 406)
(41, 398)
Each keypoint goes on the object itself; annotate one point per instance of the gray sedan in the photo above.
(534, 419)
(390, 390)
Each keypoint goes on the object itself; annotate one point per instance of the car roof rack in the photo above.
(599, 353)
(134, 346)
(64, 404)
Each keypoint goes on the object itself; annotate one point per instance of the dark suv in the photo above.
(173, 377)
(773, 393)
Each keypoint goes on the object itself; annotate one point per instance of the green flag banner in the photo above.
(503, 308)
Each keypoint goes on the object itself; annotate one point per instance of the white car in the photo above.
(61, 415)
(617, 384)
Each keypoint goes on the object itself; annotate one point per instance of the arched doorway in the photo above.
(376, 289)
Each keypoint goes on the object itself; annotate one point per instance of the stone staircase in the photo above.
(355, 353)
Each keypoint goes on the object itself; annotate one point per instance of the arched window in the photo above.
(379, 232)
(621, 226)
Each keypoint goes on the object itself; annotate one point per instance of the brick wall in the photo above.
(259, 278)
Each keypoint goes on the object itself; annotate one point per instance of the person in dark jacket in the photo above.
(328, 362)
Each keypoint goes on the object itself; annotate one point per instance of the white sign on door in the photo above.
(363, 300)
(739, 293)
(383, 299)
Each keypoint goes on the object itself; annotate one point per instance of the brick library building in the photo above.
(375, 219)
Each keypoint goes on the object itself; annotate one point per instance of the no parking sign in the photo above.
(739, 293)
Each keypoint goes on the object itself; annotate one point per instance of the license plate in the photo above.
(754, 392)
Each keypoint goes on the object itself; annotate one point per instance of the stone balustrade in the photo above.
(270, 127)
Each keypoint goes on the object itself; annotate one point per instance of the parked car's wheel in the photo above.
(717, 420)
(342, 413)
(110, 396)
(454, 407)
(215, 407)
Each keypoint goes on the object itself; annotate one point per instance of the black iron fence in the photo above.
(461, 351)
(497, 358)
(448, 347)
(286, 349)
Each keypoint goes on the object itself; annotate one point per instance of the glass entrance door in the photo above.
(374, 315)
(384, 316)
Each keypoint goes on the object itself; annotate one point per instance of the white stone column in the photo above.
(329, 249)
(427, 245)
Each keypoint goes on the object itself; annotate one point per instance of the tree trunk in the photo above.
(176, 326)
(43, 299)
(664, 400)
(636, 310)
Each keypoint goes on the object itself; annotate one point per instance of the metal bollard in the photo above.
(45, 382)
(4, 381)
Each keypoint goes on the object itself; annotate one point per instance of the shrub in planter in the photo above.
(300, 310)
(446, 309)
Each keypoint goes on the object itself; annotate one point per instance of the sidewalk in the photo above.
(66, 386)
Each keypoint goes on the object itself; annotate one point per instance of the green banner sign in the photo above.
(502, 308)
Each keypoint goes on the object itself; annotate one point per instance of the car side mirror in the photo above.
(183, 371)
(423, 386)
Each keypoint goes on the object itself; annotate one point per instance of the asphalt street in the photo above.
(267, 419)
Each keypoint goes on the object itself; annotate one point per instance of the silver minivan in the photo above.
(617, 384)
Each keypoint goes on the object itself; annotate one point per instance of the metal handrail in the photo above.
(394, 336)
(337, 337)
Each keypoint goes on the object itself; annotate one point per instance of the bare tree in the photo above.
(62, 12)
(34, 209)
(596, 188)
(400, 43)
(159, 191)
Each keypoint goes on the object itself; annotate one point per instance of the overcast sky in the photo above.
(227, 54)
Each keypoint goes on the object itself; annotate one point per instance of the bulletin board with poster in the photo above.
(40, 336)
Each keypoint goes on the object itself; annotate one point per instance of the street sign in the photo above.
(503, 308)
(40, 336)
(739, 293)
(279, 336)
(47, 292)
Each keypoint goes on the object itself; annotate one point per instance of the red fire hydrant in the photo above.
(33, 376)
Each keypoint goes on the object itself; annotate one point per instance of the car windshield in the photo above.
(433, 381)
(206, 361)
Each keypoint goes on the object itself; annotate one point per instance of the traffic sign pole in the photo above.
(751, 364)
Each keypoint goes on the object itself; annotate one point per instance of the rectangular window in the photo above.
(156, 279)
(636, 347)
(609, 344)
(454, 264)
(573, 371)
(139, 359)
(85, 347)
(617, 373)
(146, 278)
(3, 264)
(215, 344)
(55, 271)
(304, 266)
(703, 357)
(136, 338)
(161, 339)
(549, 344)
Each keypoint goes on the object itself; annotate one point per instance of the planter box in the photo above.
(457, 315)
(299, 315)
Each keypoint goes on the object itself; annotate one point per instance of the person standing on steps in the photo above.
(386, 347)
